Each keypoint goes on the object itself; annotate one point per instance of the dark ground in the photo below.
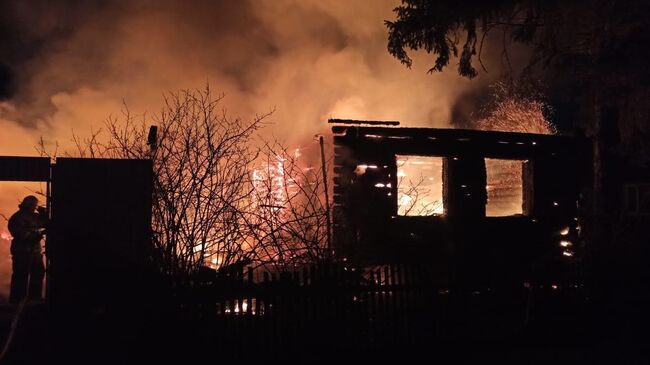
(595, 331)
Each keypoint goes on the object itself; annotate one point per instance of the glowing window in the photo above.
(505, 190)
(419, 185)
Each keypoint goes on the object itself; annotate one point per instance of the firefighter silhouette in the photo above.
(27, 226)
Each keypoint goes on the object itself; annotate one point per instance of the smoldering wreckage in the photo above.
(443, 234)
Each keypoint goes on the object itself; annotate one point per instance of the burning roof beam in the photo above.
(361, 122)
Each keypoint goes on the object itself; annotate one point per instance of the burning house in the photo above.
(475, 206)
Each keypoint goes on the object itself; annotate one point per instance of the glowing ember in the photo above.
(514, 113)
(361, 169)
(504, 187)
(511, 113)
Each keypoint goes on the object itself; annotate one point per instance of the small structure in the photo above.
(478, 206)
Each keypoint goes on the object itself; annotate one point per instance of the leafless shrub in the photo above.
(218, 199)
(289, 223)
(201, 182)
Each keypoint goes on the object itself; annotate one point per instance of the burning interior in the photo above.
(419, 185)
(505, 187)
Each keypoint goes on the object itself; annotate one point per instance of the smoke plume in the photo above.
(67, 65)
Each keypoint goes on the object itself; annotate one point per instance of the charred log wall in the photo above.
(368, 228)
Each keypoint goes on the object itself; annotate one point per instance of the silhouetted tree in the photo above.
(439, 27)
(577, 33)
(218, 199)
(202, 158)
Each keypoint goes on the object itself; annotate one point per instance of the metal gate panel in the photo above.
(100, 230)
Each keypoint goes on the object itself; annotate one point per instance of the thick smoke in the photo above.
(68, 65)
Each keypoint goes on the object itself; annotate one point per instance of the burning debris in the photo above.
(285, 223)
(272, 185)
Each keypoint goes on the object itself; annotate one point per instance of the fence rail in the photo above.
(346, 308)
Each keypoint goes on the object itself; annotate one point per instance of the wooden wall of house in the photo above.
(367, 227)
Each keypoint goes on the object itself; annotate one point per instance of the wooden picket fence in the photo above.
(342, 308)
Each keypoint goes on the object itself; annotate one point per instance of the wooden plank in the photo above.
(340, 181)
(447, 141)
(369, 122)
(451, 133)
